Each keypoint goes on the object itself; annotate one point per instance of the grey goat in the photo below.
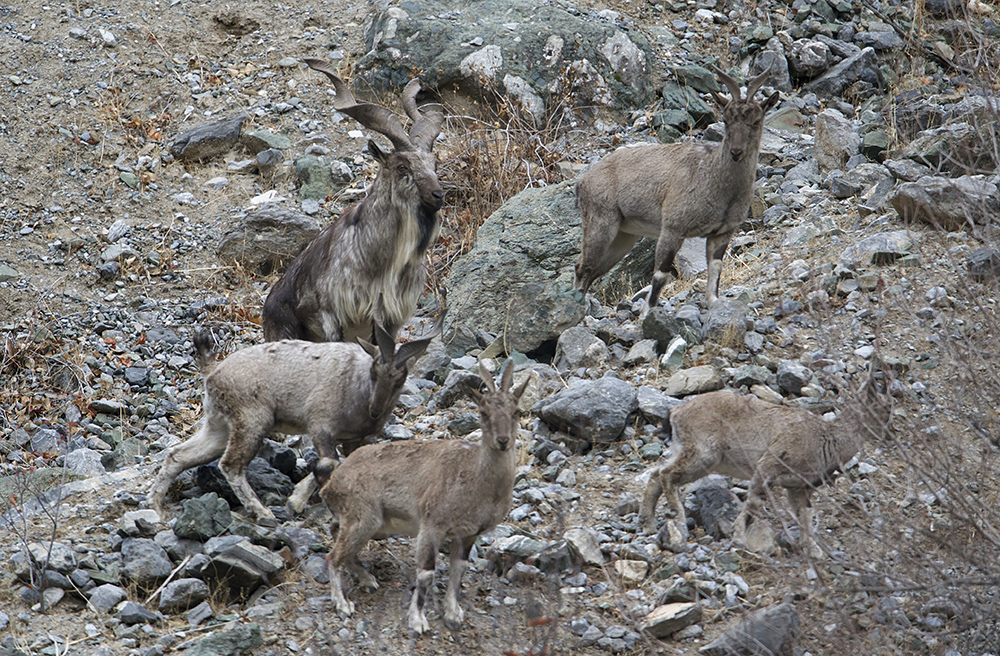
(376, 247)
(337, 392)
(742, 436)
(433, 489)
(673, 191)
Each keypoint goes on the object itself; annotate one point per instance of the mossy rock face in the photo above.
(18, 489)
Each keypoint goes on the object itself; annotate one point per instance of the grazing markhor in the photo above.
(742, 436)
(376, 247)
(671, 192)
(433, 489)
(338, 392)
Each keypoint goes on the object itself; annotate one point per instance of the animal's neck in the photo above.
(497, 468)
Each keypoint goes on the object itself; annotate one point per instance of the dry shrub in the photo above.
(493, 157)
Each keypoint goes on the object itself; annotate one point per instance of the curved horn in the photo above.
(426, 127)
(373, 117)
(756, 83)
(731, 84)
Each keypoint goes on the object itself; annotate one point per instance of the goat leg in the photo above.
(344, 605)
(427, 548)
(647, 509)
(453, 613)
(715, 248)
(799, 500)
(666, 249)
(207, 444)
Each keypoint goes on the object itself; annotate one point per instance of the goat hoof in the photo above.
(419, 625)
(345, 608)
(452, 624)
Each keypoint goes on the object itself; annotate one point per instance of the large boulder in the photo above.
(528, 50)
(595, 410)
(267, 239)
(950, 204)
(525, 252)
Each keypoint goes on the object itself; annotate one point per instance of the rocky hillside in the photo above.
(163, 161)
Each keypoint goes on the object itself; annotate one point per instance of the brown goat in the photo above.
(673, 191)
(433, 489)
(742, 436)
(340, 393)
(376, 247)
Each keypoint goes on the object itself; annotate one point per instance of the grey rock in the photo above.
(694, 380)
(523, 39)
(8, 273)
(162, 335)
(792, 376)
(261, 475)
(947, 203)
(880, 37)
(726, 323)
(698, 78)
(315, 178)
(584, 544)
(268, 161)
(240, 640)
(267, 239)
(203, 518)
(132, 613)
(200, 614)
(145, 562)
(660, 324)
(958, 148)
(642, 352)
(56, 556)
(208, 140)
(46, 440)
(687, 100)
(716, 507)
(137, 376)
(655, 405)
(548, 556)
(808, 58)
(579, 347)
(906, 169)
(139, 524)
(85, 462)
(769, 631)
(880, 249)
(182, 594)
(177, 548)
(257, 141)
(539, 313)
(772, 58)
(862, 66)
(117, 230)
(983, 264)
(594, 410)
(668, 619)
(105, 597)
(750, 375)
(837, 139)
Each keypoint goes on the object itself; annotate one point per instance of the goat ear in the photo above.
(380, 156)
(471, 387)
(519, 390)
(771, 101)
(721, 100)
(369, 348)
(413, 349)
(487, 377)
